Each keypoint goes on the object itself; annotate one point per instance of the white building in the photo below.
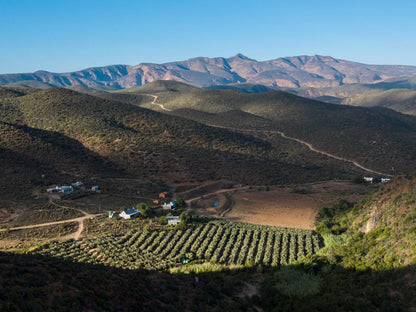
(129, 214)
(61, 189)
(385, 180)
(368, 179)
(66, 189)
(54, 190)
(173, 220)
(169, 206)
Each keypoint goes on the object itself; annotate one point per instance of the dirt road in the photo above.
(74, 235)
(309, 145)
(160, 105)
(189, 201)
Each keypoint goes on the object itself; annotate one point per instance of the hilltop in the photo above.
(292, 72)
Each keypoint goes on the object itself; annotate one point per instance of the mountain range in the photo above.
(291, 72)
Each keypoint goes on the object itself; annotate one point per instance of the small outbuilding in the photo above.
(78, 183)
(66, 189)
(163, 194)
(95, 188)
(129, 214)
(54, 190)
(173, 220)
(368, 179)
(169, 206)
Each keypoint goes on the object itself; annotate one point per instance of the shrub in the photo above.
(294, 283)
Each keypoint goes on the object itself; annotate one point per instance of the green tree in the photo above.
(144, 209)
(185, 217)
(163, 220)
(180, 203)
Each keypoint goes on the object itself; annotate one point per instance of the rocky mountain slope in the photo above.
(299, 71)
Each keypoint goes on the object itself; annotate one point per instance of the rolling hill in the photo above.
(378, 138)
(133, 141)
(292, 72)
(397, 94)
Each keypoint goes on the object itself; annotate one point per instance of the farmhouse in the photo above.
(61, 189)
(54, 190)
(173, 220)
(368, 179)
(129, 214)
(67, 189)
(171, 205)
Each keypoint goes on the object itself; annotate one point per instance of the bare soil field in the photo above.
(286, 206)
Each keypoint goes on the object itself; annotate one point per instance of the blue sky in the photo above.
(62, 36)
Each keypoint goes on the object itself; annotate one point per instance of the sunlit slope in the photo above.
(376, 137)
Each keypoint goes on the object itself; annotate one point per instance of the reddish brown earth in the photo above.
(285, 206)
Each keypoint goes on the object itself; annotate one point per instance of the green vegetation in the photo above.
(65, 135)
(375, 137)
(216, 241)
(42, 283)
(38, 233)
(59, 136)
(295, 283)
(375, 256)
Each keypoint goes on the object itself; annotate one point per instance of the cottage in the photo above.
(61, 189)
(173, 220)
(368, 179)
(129, 214)
(66, 189)
(54, 190)
(171, 205)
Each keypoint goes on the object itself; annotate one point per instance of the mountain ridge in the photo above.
(294, 72)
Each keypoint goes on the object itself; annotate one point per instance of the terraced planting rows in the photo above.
(216, 241)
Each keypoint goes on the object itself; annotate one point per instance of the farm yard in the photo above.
(220, 242)
(286, 206)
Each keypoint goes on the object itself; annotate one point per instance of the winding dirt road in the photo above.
(283, 135)
(160, 105)
(74, 235)
(189, 201)
(309, 145)
(331, 155)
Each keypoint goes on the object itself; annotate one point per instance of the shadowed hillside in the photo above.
(144, 143)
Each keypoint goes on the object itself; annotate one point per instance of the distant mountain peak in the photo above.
(298, 71)
(241, 57)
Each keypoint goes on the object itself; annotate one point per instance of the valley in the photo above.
(265, 184)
